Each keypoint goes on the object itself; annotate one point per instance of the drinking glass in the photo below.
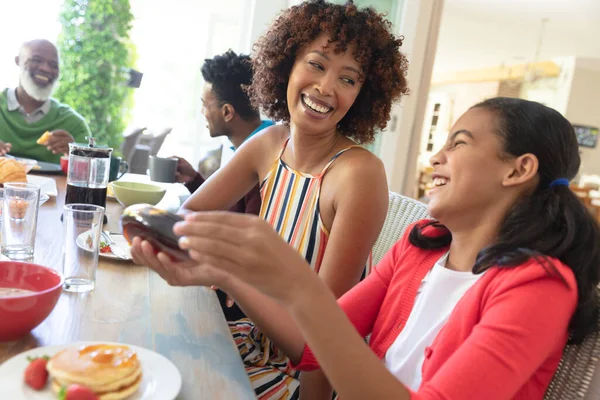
(83, 229)
(19, 220)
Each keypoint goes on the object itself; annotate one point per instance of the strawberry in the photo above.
(77, 392)
(36, 374)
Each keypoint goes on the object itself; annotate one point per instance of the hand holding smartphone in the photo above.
(154, 225)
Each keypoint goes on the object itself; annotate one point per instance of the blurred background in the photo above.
(460, 51)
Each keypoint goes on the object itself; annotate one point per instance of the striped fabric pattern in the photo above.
(268, 368)
(290, 203)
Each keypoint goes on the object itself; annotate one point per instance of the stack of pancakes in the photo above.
(113, 372)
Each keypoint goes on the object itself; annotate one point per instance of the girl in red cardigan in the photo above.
(476, 304)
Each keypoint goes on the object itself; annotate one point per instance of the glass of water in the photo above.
(83, 228)
(19, 220)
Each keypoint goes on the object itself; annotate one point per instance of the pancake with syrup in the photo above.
(113, 372)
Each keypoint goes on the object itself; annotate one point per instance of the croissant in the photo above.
(11, 171)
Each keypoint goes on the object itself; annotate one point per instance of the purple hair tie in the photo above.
(559, 182)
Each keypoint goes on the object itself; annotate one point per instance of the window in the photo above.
(173, 39)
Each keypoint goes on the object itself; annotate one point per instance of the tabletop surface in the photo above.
(133, 305)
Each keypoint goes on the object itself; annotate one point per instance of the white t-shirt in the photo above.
(438, 294)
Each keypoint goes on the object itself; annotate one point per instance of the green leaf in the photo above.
(30, 359)
(62, 394)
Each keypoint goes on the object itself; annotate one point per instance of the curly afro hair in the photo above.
(377, 51)
(229, 74)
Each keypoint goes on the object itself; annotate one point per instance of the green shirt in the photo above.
(23, 136)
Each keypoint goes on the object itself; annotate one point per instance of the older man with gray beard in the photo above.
(28, 111)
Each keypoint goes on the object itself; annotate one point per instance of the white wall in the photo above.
(486, 33)
(262, 14)
(463, 96)
(553, 92)
(584, 109)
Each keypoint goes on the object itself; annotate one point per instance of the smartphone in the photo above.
(155, 226)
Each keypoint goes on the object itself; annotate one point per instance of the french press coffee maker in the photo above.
(87, 177)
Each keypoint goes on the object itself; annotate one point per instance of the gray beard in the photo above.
(32, 89)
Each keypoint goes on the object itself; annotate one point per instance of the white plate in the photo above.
(47, 185)
(118, 239)
(161, 380)
(122, 243)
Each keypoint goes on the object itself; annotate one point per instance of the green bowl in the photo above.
(130, 193)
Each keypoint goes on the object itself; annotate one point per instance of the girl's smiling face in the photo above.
(471, 171)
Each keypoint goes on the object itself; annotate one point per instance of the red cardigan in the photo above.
(503, 340)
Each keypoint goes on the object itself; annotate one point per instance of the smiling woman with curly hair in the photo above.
(366, 32)
(330, 74)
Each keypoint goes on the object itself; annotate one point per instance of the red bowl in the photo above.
(21, 313)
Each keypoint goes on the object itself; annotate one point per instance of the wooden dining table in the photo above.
(133, 305)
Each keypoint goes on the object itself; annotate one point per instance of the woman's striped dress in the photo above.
(290, 203)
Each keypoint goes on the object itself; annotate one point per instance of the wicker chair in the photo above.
(402, 211)
(577, 377)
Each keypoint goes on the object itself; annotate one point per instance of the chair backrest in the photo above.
(210, 162)
(575, 378)
(593, 392)
(158, 140)
(138, 159)
(130, 139)
(402, 211)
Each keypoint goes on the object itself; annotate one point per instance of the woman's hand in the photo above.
(227, 245)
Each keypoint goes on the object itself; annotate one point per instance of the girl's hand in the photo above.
(232, 245)
(143, 253)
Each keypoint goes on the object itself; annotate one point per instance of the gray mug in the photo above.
(163, 169)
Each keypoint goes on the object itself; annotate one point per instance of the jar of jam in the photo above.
(154, 225)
